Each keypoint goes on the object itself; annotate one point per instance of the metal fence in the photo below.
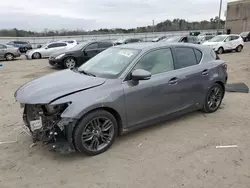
(81, 38)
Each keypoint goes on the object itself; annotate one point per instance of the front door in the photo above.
(3, 50)
(90, 51)
(150, 99)
(228, 43)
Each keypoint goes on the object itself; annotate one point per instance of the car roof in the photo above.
(151, 45)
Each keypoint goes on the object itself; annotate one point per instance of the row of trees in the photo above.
(168, 25)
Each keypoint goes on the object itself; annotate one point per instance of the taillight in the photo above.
(224, 65)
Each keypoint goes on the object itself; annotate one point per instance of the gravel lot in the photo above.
(178, 153)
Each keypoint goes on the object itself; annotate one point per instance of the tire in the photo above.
(9, 56)
(69, 63)
(36, 55)
(211, 98)
(95, 141)
(220, 50)
(239, 48)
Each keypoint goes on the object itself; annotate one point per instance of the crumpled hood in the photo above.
(50, 87)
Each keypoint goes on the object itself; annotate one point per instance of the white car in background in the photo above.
(46, 50)
(222, 43)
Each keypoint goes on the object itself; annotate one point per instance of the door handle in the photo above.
(205, 72)
(173, 81)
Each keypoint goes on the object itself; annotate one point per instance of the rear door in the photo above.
(190, 75)
(228, 44)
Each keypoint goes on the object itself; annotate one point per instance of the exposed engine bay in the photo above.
(46, 125)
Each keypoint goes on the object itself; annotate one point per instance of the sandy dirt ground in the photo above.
(177, 153)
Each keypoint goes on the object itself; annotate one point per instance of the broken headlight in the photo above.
(54, 109)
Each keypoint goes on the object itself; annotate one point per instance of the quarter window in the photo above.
(198, 55)
(185, 57)
(156, 62)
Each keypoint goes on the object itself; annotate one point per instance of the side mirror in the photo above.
(46, 48)
(140, 74)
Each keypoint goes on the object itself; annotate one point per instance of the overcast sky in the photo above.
(95, 14)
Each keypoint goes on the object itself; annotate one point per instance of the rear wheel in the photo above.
(36, 55)
(95, 133)
(213, 98)
(9, 57)
(239, 48)
(220, 50)
(69, 63)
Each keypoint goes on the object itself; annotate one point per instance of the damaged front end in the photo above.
(46, 125)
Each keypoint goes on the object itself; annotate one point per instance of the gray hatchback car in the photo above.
(9, 52)
(123, 88)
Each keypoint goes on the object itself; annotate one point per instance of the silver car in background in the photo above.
(46, 50)
(9, 52)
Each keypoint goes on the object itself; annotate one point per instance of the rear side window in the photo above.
(55, 45)
(198, 55)
(235, 37)
(185, 57)
(105, 44)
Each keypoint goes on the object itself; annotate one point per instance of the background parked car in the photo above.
(126, 41)
(245, 36)
(121, 89)
(48, 49)
(157, 39)
(79, 54)
(203, 38)
(185, 39)
(9, 52)
(223, 43)
(22, 45)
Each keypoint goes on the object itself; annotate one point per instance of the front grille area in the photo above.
(49, 122)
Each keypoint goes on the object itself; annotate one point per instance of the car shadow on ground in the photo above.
(120, 140)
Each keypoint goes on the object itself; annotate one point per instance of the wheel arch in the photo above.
(222, 85)
(8, 53)
(112, 111)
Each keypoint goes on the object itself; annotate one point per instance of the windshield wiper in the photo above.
(87, 73)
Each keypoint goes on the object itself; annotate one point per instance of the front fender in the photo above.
(88, 100)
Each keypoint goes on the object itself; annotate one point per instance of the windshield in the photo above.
(219, 38)
(120, 40)
(79, 46)
(110, 63)
(172, 39)
(244, 34)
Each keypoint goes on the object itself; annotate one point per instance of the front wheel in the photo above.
(220, 50)
(95, 133)
(36, 55)
(213, 98)
(69, 63)
(9, 57)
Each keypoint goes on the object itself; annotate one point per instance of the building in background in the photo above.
(238, 16)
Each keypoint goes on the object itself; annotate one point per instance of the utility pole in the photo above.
(218, 26)
(153, 26)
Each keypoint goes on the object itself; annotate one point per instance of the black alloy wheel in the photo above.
(214, 98)
(95, 133)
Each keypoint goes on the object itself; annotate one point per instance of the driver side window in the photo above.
(156, 62)
(2, 46)
(228, 39)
